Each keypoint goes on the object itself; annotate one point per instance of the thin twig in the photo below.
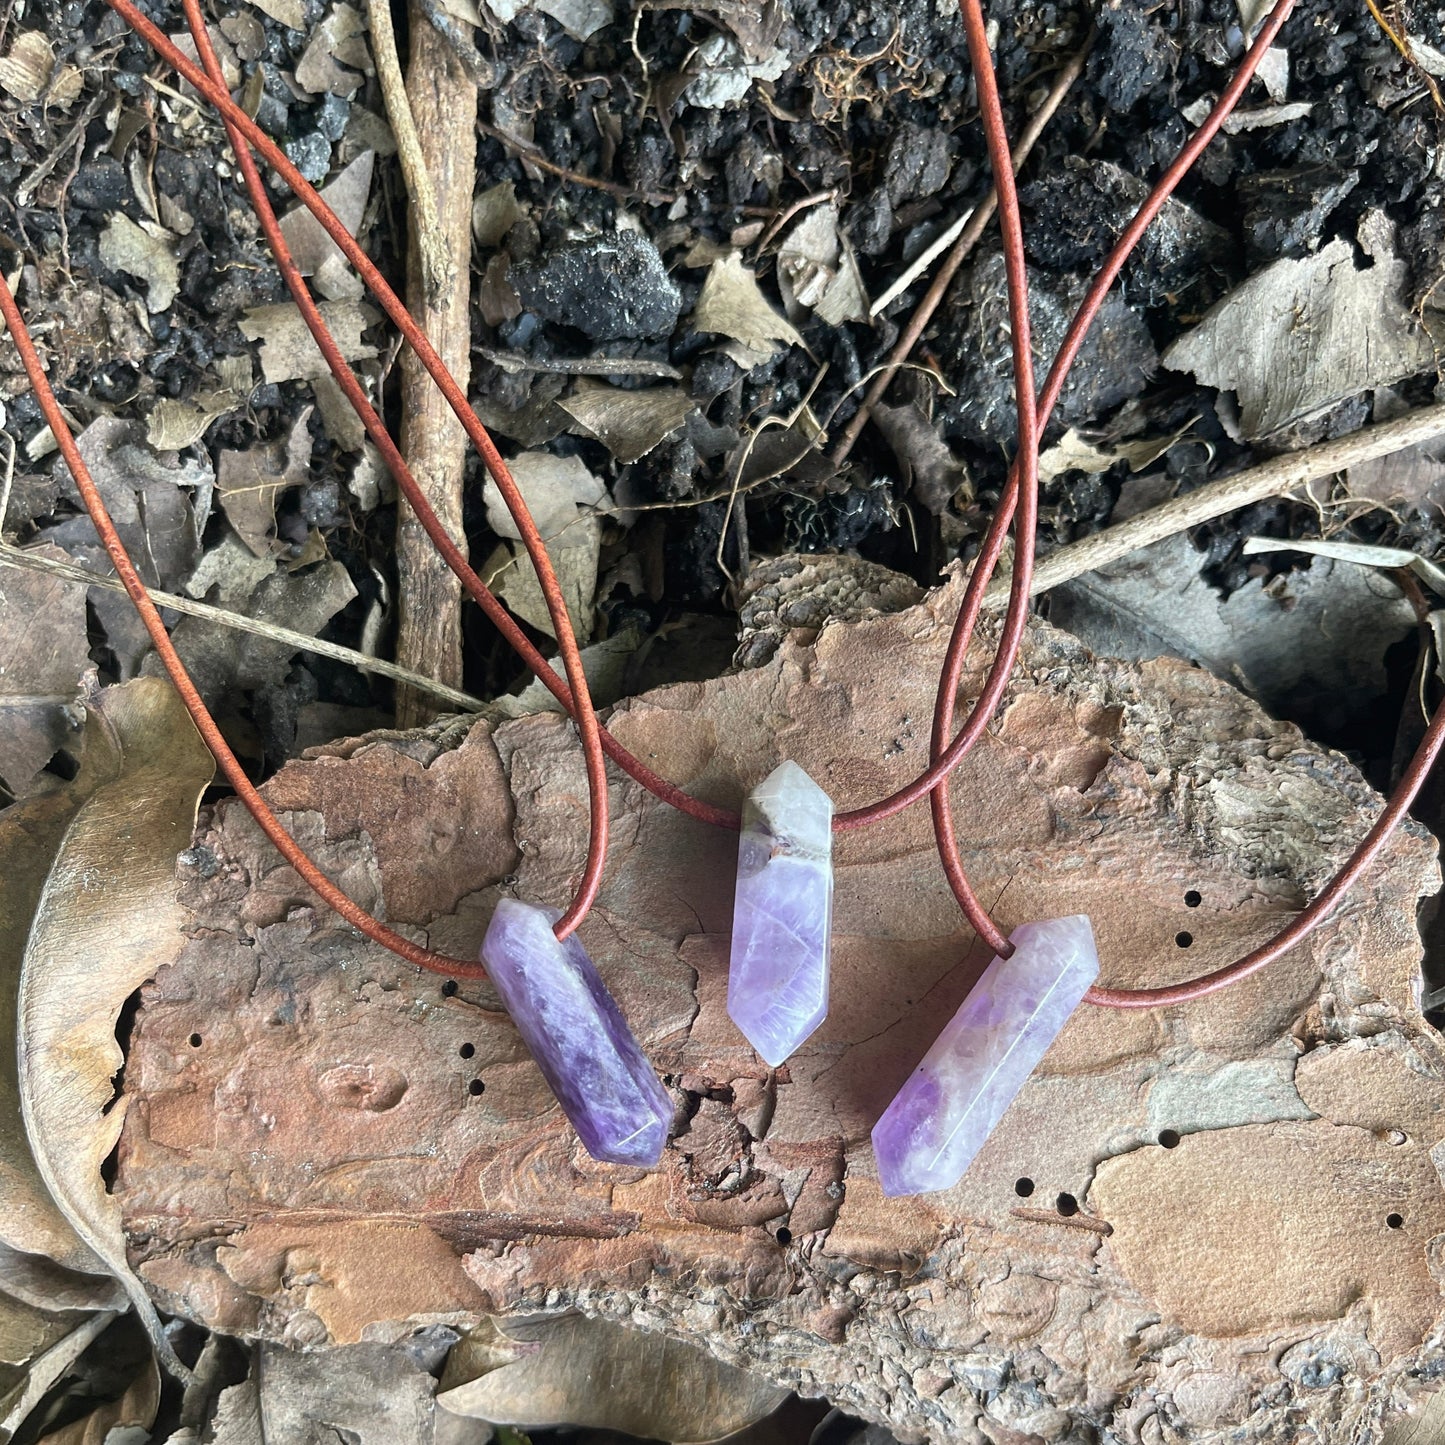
(18, 557)
(1072, 1221)
(535, 157)
(29, 185)
(1274, 478)
(430, 242)
(956, 257)
(920, 264)
(580, 366)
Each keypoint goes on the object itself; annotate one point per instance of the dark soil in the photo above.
(874, 102)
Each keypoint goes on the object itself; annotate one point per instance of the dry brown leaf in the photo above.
(222, 660)
(145, 251)
(494, 212)
(1074, 452)
(174, 425)
(25, 71)
(656, 1388)
(288, 352)
(818, 272)
(27, 1330)
(44, 652)
(732, 304)
(45, 1370)
(290, 13)
(311, 247)
(340, 421)
(928, 465)
(557, 490)
(574, 553)
(629, 423)
(158, 508)
(250, 482)
(135, 1410)
(32, 1227)
(362, 1394)
(339, 41)
(238, 1416)
(37, 1280)
(1287, 342)
(106, 920)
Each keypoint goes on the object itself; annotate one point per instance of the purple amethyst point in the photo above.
(576, 1033)
(782, 914)
(952, 1101)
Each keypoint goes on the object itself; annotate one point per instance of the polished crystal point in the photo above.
(577, 1035)
(940, 1118)
(782, 913)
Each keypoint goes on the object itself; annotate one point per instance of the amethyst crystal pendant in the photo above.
(782, 914)
(576, 1033)
(940, 1118)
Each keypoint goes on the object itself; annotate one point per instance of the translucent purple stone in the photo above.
(939, 1119)
(577, 1035)
(782, 914)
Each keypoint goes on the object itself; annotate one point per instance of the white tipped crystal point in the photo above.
(782, 913)
(952, 1101)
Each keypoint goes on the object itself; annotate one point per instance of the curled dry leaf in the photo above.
(145, 251)
(174, 425)
(288, 351)
(32, 1227)
(25, 72)
(44, 651)
(1287, 342)
(45, 1370)
(732, 304)
(314, 251)
(250, 482)
(37, 1280)
(657, 1388)
(629, 423)
(130, 1417)
(105, 921)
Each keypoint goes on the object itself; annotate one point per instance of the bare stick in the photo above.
(443, 100)
(1274, 478)
(409, 150)
(956, 257)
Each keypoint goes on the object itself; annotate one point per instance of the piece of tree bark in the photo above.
(304, 1157)
(429, 617)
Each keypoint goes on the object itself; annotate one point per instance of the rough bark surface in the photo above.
(1257, 1249)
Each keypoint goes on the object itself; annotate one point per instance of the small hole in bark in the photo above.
(1184, 939)
(194, 1041)
(1193, 898)
(476, 1088)
(1067, 1205)
(1169, 1138)
(449, 988)
(785, 1235)
(467, 1050)
(1023, 1187)
(1394, 1221)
